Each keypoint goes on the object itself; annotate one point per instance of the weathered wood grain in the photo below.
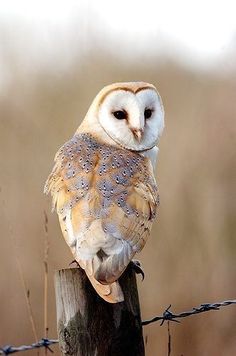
(89, 326)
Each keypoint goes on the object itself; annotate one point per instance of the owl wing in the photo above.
(131, 226)
(70, 183)
(106, 199)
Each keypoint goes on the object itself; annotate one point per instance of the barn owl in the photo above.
(103, 185)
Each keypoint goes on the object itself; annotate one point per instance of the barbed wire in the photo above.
(167, 315)
(8, 349)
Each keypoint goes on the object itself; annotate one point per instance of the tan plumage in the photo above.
(106, 199)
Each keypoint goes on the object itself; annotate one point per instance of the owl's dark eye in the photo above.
(147, 113)
(120, 114)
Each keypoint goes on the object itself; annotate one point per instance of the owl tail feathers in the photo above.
(111, 293)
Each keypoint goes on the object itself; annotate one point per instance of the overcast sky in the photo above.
(202, 31)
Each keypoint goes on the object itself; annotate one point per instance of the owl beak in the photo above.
(138, 134)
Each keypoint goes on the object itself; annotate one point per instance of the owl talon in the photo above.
(74, 261)
(136, 265)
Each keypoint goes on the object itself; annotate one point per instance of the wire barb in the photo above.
(8, 349)
(169, 316)
(166, 316)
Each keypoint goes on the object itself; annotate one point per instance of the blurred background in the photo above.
(54, 57)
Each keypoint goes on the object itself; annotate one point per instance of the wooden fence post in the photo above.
(89, 326)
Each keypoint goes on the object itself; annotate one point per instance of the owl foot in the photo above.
(74, 262)
(136, 265)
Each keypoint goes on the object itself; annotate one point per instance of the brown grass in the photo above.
(190, 257)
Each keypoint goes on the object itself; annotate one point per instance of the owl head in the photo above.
(131, 114)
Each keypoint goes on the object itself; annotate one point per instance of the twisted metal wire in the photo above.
(8, 349)
(167, 315)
